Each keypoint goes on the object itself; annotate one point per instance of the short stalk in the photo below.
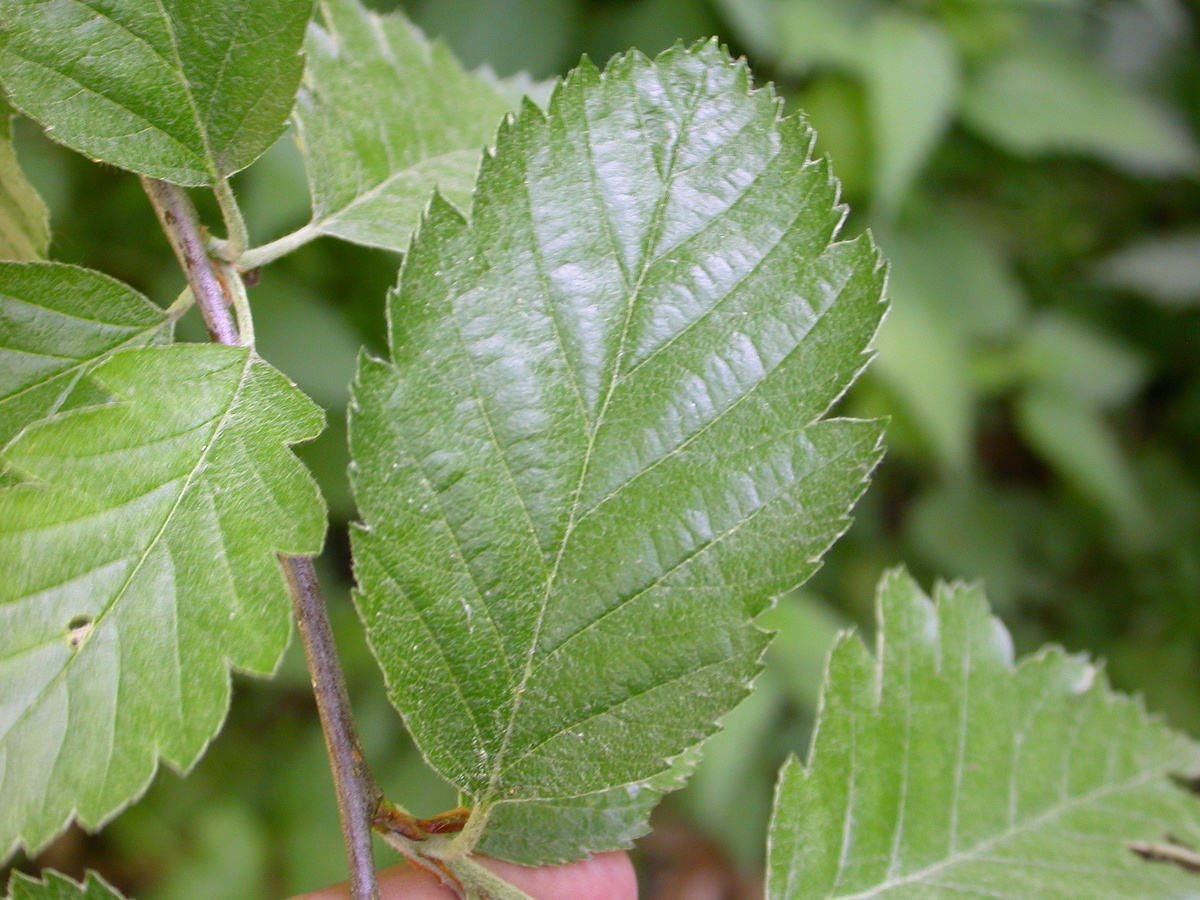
(358, 796)
(182, 304)
(237, 238)
(268, 253)
(241, 303)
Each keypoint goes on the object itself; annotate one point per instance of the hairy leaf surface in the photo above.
(384, 117)
(56, 322)
(941, 771)
(53, 886)
(187, 91)
(139, 560)
(597, 453)
(24, 225)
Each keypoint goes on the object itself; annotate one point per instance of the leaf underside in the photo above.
(139, 559)
(56, 323)
(188, 91)
(941, 771)
(53, 886)
(24, 224)
(384, 117)
(597, 454)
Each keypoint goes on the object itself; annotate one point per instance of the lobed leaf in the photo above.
(57, 322)
(24, 224)
(188, 91)
(598, 452)
(384, 117)
(139, 560)
(942, 771)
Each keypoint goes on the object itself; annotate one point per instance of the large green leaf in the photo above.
(24, 225)
(597, 454)
(54, 886)
(941, 771)
(139, 560)
(384, 117)
(56, 322)
(184, 90)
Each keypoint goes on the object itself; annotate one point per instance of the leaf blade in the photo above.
(56, 323)
(940, 768)
(610, 335)
(372, 167)
(24, 222)
(142, 547)
(189, 92)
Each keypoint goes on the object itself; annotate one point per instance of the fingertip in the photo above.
(606, 876)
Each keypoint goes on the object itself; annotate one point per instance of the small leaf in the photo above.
(911, 73)
(188, 91)
(941, 770)
(1066, 355)
(53, 886)
(1165, 268)
(24, 224)
(56, 322)
(598, 453)
(140, 565)
(1074, 439)
(1042, 100)
(384, 117)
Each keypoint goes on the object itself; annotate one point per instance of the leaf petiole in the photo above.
(237, 237)
(268, 253)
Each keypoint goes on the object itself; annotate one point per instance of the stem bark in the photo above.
(358, 796)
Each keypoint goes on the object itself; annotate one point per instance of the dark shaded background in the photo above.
(1030, 167)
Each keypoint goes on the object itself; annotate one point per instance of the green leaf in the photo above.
(552, 832)
(1042, 100)
(188, 91)
(140, 565)
(54, 886)
(597, 455)
(1074, 439)
(24, 223)
(941, 771)
(923, 360)
(383, 118)
(1165, 268)
(911, 73)
(1068, 356)
(56, 322)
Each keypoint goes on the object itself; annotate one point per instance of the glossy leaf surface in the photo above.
(384, 117)
(942, 771)
(140, 564)
(56, 322)
(597, 454)
(187, 91)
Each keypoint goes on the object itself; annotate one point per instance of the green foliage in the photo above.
(1043, 414)
(176, 89)
(139, 560)
(57, 887)
(634, 467)
(56, 323)
(24, 225)
(383, 118)
(940, 769)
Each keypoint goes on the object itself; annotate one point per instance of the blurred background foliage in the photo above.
(1030, 168)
